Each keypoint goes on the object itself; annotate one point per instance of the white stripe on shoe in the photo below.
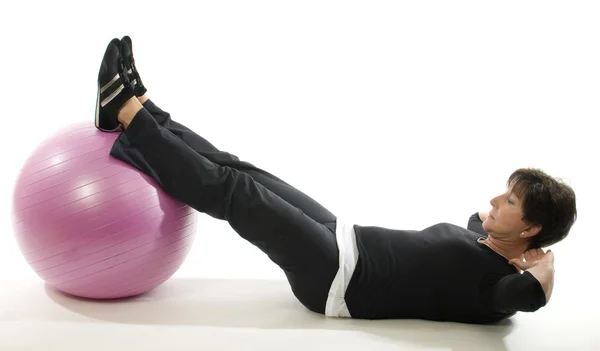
(97, 117)
(108, 85)
(113, 95)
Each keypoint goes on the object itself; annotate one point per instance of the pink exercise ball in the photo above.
(92, 226)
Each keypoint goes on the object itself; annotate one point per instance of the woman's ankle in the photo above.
(143, 99)
(128, 111)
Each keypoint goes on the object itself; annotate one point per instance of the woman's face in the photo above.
(505, 218)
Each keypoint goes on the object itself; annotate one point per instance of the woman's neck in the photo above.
(508, 249)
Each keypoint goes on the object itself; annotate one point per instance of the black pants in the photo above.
(296, 232)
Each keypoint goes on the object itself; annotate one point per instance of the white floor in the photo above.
(394, 114)
(194, 314)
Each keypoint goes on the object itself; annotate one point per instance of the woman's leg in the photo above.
(305, 249)
(202, 146)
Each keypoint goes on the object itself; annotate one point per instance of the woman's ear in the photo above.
(531, 231)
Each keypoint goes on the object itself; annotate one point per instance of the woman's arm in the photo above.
(544, 273)
(541, 265)
(475, 223)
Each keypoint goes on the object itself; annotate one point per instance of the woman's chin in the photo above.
(487, 226)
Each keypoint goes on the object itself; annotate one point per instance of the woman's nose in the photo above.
(493, 201)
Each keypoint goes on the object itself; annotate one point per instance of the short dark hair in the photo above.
(547, 201)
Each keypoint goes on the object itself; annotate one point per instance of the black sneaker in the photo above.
(114, 89)
(129, 62)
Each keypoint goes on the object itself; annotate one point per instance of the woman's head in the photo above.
(536, 207)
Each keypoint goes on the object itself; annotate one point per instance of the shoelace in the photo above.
(136, 75)
(123, 73)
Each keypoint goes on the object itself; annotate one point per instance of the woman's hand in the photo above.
(534, 258)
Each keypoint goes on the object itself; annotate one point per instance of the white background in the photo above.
(395, 114)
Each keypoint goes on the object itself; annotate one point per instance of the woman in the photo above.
(444, 272)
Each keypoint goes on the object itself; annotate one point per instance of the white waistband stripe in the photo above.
(346, 240)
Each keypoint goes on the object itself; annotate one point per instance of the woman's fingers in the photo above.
(534, 254)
